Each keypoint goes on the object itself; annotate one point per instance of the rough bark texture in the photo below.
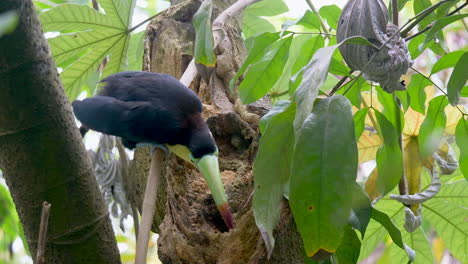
(191, 230)
(41, 153)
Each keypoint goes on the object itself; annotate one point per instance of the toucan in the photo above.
(155, 108)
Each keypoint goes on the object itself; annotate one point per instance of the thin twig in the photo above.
(338, 85)
(432, 24)
(218, 34)
(318, 15)
(420, 16)
(144, 21)
(41, 241)
(149, 205)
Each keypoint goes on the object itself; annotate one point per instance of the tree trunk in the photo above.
(192, 230)
(41, 152)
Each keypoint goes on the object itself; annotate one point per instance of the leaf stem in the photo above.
(338, 85)
(309, 2)
(144, 21)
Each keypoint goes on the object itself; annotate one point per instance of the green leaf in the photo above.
(348, 251)
(458, 79)
(279, 107)
(361, 210)
(359, 121)
(315, 74)
(260, 47)
(90, 37)
(421, 5)
(321, 192)
(204, 43)
(404, 99)
(447, 61)
(417, 93)
(295, 53)
(441, 23)
(432, 128)
(353, 93)
(447, 214)
(331, 14)
(393, 231)
(391, 110)
(8, 22)
(417, 241)
(307, 51)
(309, 20)
(253, 21)
(263, 74)
(461, 136)
(271, 173)
(389, 157)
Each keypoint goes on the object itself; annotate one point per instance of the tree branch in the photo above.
(41, 241)
(149, 205)
(218, 34)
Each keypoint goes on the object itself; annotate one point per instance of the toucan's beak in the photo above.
(208, 165)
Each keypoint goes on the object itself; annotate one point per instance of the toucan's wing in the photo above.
(133, 121)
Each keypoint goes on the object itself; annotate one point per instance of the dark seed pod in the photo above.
(369, 19)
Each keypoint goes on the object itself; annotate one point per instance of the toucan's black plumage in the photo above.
(144, 107)
(147, 107)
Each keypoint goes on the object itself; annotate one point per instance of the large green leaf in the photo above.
(393, 231)
(271, 172)
(262, 75)
(253, 21)
(417, 93)
(315, 74)
(260, 47)
(447, 61)
(279, 107)
(320, 191)
(417, 241)
(391, 110)
(389, 156)
(440, 23)
(204, 43)
(447, 213)
(433, 126)
(89, 37)
(348, 251)
(458, 79)
(461, 135)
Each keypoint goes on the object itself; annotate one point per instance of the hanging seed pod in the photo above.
(369, 19)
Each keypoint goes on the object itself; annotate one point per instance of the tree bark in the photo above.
(191, 229)
(41, 153)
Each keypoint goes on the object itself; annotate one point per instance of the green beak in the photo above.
(208, 165)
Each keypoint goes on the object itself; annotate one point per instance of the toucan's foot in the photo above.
(154, 146)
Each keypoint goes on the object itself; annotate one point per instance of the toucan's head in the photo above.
(203, 153)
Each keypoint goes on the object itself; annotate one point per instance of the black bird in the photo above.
(155, 108)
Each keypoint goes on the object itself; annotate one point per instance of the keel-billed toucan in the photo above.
(144, 107)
